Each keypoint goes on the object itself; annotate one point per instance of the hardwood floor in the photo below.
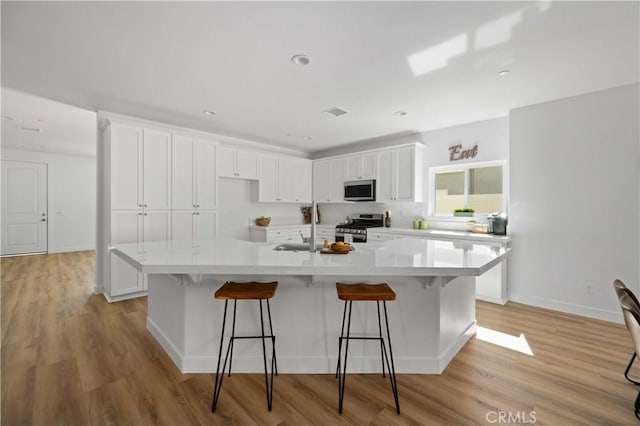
(69, 357)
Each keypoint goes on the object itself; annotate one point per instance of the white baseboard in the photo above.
(310, 365)
(122, 297)
(490, 299)
(71, 249)
(569, 308)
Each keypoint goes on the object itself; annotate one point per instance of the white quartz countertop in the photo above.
(399, 257)
(444, 234)
(289, 226)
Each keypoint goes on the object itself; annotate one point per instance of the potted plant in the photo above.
(463, 212)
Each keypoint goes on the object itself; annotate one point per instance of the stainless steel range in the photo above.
(358, 227)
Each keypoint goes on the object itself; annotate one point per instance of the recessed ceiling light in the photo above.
(401, 113)
(308, 138)
(503, 73)
(208, 112)
(300, 59)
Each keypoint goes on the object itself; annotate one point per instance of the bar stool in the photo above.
(374, 293)
(246, 291)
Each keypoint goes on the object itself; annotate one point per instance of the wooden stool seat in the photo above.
(246, 291)
(365, 292)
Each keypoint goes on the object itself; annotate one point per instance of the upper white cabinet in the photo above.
(156, 165)
(400, 176)
(236, 163)
(284, 179)
(328, 180)
(126, 166)
(302, 180)
(361, 167)
(140, 168)
(193, 177)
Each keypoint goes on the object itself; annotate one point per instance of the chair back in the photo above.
(622, 289)
(631, 313)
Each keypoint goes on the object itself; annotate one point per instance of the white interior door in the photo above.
(24, 207)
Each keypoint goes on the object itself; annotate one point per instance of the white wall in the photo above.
(71, 198)
(575, 201)
(492, 137)
(238, 206)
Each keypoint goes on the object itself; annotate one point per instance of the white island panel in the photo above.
(432, 318)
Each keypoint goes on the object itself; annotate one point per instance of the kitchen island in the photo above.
(431, 320)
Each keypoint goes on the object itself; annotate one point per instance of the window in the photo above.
(479, 186)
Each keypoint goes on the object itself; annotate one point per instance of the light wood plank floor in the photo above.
(69, 357)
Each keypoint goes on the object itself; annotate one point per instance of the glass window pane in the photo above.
(449, 192)
(485, 189)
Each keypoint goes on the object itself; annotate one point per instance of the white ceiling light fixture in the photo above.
(503, 73)
(208, 112)
(301, 60)
(401, 113)
(336, 112)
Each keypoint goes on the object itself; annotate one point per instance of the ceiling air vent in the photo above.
(336, 112)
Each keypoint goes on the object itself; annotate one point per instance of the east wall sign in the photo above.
(457, 153)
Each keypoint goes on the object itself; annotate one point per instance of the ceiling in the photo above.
(33, 123)
(437, 61)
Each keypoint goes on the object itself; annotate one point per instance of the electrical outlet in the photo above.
(589, 289)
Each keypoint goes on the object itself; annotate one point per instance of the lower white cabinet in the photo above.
(281, 234)
(194, 225)
(134, 226)
(291, 234)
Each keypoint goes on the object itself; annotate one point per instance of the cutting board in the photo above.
(333, 252)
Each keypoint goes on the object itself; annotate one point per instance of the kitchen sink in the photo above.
(296, 247)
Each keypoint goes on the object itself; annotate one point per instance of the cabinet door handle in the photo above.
(44, 214)
(139, 214)
(145, 205)
(139, 205)
(44, 220)
(145, 214)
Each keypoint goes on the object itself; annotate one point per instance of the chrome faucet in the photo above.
(312, 243)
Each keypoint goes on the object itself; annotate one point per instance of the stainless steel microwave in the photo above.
(360, 190)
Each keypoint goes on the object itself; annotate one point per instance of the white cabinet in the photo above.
(193, 177)
(156, 169)
(373, 237)
(400, 175)
(236, 163)
(361, 167)
(281, 234)
(126, 170)
(328, 180)
(140, 168)
(284, 179)
(302, 182)
(325, 233)
(195, 226)
(133, 226)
